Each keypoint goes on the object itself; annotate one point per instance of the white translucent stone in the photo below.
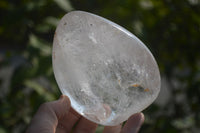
(107, 72)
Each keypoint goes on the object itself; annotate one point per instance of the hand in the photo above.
(59, 117)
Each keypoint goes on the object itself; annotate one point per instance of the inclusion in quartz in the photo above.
(106, 71)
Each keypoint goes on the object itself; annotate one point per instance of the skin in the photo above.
(59, 117)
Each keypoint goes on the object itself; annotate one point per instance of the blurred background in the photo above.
(169, 28)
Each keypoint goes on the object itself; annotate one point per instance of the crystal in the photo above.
(106, 71)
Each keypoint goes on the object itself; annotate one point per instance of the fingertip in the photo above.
(61, 107)
(138, 117)
(142, 117)
(61, 97)
(134, 123)
(65, 99)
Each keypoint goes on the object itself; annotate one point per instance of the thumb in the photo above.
(46, 118)
(133, 124)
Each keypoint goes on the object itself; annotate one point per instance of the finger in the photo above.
(85, 126)
(112, 129)
(48, 114)
(68, 121)
(134, 123)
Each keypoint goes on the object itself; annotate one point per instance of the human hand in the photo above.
(59, 117)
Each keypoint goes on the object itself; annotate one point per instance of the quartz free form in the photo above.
(106, 71)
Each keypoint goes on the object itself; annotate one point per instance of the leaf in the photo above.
(40, 90)
(64, 4)
(2, 130)
(184, 123)
(40, 44)
(52, 21)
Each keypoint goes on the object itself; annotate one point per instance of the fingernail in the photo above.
(64, 98)
(140, 120)
(142, 117)
(61, 97)
(134, 123)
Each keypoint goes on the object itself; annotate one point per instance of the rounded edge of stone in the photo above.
(78, 12)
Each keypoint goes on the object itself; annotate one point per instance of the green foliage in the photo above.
(169, 28)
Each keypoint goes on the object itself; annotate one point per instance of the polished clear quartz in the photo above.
(106, 71)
